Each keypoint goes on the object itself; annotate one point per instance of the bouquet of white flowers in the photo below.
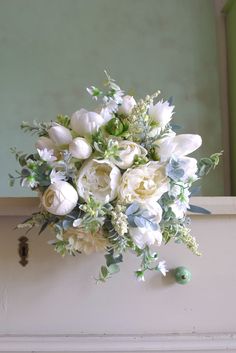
(114, 179)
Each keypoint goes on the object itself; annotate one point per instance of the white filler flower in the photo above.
(60, 198)
(99, 179)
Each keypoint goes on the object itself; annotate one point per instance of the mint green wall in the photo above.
(231, 46)
(50, 50)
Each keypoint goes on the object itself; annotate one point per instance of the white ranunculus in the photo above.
(127, 153)
(145, 237)
(127, 105)
(99, 179)
(60, 135)
(44, 142)
(60, 198)
(86, 123)
(177, 146)
(80, 148)
(143, 184)
(161, 113)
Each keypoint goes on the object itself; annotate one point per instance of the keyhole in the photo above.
(23, 250)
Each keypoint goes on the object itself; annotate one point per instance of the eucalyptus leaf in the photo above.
(198, 209)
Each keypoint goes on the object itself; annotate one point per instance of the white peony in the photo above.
(44, 142)
(177, 146)
(128, 152)
(60, 198)
(99, 179)
(60, 135)
(80, 148)
(86, 123)
(161, 113)
(147, 182)
(127, 105)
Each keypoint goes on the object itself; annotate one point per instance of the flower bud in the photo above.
(127, 105)
(44, 142)
(60, 135)
(80, 148)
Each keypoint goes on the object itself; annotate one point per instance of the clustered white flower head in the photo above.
(114, 178)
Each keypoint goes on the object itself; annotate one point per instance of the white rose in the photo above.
(161, 113)
(128, 151)
(127, 105)
(60, 135)
(44, 142)
(145, 236)
(147, 182)
(177, 146)
(86, 123)
(80, 148)
(99, 179)
(60, 198)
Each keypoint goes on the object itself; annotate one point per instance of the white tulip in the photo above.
(44, 142)
(80, 148)
(99, 179)
(60, 135)
(161, 112)
(127, 153)
(86, 123)
(177, 146)
(127, 105)
(60, 198)
(145, 237)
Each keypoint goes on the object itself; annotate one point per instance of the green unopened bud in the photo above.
(115, 127)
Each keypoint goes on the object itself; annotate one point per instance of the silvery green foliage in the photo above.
(101, 220)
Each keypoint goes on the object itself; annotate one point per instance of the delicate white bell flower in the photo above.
(177, 146)
(60, 135)
(127, 105)
(161, 113)
(86, 123)
(80, 148)
(44, 142)
(60, 198)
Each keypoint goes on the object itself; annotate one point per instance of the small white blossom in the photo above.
(162, 267)
(46, 155)
(56, 176)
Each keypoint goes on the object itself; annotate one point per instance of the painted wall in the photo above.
(51, 50)
(231, 48)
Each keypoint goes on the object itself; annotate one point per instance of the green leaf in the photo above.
(113, 268)
(104, 272)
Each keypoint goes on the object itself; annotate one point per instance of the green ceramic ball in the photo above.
(182, 275)
(115, 127)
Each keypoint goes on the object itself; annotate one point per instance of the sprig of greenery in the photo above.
(39, 128)
(205, 165)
